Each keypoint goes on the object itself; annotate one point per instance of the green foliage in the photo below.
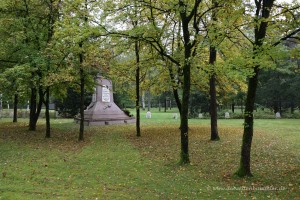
(15, 81)
(199, 103)
(69, 106)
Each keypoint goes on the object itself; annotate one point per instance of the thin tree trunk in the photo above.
(137, 89)
(82, 84)
(143, 101)
(166, 101)
(213, 98)
(47, 113)
(33, 99)
(149, 100)
(16, 101)
(214, 136)
(174, 88)
(159, 105)
(244, 169)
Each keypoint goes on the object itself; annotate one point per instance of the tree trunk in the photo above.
(159, 105)
(47, 113)
(33, 99)
(166, 104)
(82, 83)
(149, 100)
(184, 156)
(143, 101)
(137, 89)
(16, 101)
(213, 98)
(244, 169)
(35, 108)
(174, 87)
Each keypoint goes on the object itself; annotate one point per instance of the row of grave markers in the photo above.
(200, 116)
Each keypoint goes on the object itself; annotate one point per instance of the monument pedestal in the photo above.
(103, 110)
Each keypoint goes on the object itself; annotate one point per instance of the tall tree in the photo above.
(86, 52)
(261, 47)
(212, 82)
(52, 17)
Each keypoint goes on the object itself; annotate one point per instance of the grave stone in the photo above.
(277, 115)
(148, 115)
(102, 110)
(175, 116)
(227, 116)
(200, 115)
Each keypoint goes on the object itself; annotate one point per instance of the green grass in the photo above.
(113, 164)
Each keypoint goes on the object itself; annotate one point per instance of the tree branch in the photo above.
(287, 36)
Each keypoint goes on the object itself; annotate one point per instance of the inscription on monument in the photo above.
(105, 94)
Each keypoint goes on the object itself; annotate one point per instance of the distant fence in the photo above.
(23, 113)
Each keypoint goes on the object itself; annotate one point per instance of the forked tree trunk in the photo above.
(35, 108)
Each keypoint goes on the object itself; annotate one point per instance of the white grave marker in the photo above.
(148, 115)
(227, 116)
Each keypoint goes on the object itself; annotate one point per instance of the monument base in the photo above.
(91, 122)
(102, 110)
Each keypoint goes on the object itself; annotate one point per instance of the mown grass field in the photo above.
(113, 164)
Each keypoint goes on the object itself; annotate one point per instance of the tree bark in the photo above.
(244, 169)
(184, 156)
(137, 89)
(35, 108)
(166, 100)
(214, 136)
(16, 101)
(32, 122)
(149, 100)
(47, 113)
(82, 87)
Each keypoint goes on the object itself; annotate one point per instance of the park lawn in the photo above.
(113, 164)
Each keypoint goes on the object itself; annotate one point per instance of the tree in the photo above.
(212, 83)
(13, 82)
(27, 35)
(261, 49)
(173, 30)
(86, 52)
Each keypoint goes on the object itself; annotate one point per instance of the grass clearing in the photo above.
(113, 164)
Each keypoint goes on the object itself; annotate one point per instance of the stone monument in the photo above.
(102, 110)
